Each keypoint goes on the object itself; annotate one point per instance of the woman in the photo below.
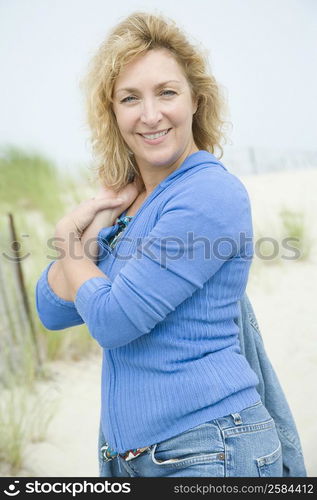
(178, 397)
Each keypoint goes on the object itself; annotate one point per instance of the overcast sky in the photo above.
(264, 52)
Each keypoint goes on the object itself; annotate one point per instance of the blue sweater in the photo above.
(166, 314)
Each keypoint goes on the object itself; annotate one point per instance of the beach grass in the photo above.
(24, 417)
(295, 229)
(36, 194)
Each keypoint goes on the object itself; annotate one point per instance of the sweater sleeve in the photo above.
(54, 312)
(199, 229)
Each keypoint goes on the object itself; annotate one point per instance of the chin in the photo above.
(162, 160)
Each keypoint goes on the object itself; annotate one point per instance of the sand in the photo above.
(70, 447)
(283, 295)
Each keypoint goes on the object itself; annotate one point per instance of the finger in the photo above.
(102, 203)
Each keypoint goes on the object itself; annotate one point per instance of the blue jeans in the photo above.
(243, 444)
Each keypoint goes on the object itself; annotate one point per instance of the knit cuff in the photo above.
(44, 288)
(85, 292)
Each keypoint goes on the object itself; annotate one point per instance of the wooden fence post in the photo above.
(21, 285)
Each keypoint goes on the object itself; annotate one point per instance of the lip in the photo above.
(159, 139)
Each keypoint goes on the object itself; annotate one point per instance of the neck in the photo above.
(152, 176)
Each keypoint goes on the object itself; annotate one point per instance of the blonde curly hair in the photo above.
(135, 35)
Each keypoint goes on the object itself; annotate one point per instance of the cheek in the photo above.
(127, 121)
(182, 115)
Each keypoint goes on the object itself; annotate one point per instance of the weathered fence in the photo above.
(18, 337)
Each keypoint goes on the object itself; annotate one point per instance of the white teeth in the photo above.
(155, 136)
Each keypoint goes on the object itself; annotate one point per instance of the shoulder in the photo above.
(208, 186)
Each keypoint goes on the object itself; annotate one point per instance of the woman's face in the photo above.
(154, 110)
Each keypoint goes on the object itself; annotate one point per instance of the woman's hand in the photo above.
(106, 218)
(98, 211)
(128, 194)
(80, 218)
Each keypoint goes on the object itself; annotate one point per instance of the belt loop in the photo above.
(237, 418)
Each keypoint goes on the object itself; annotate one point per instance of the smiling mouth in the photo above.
(156, 135)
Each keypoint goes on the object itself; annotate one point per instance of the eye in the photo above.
(129, 98)
(168, 92)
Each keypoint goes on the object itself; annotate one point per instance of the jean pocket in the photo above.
(164, 458)
(200, 445)
(271, 465)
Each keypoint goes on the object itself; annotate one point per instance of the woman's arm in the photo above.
(104, 218)
(56, 277)
(201, 227)
(54, 312)
(54, 302)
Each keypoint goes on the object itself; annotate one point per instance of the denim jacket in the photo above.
(270, 390)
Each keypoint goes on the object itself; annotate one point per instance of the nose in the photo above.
(151, 114)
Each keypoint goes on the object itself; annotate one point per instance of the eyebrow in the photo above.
(159, 85)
